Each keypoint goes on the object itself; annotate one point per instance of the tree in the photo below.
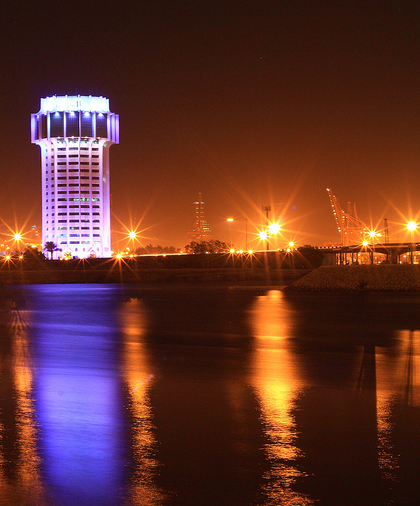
(51, 247)
(152, 250)
(213, 246)
(33, 258)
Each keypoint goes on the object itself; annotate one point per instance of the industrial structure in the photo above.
(351, 229)
(75, 134)
(201, 230)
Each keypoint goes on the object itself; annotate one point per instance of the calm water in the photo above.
(188, 396)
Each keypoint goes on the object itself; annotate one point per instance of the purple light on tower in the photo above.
(75, 134)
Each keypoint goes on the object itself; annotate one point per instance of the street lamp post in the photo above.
(372, 235)
(230, 220)
(412, 227)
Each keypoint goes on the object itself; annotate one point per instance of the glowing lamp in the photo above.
(263, 235)
(411, 226)
(274, 228)
(17, 237)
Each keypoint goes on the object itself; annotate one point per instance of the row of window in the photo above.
(73, 192)
(78, 235)
(64, 178)
(63, 185)
(83, 155)
(77, 228)
(64, 171)
(82, 148)
(78, 242)
(82, 162)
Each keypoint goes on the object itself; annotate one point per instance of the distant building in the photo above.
(75, 134)
(201, 230)
(34, 237)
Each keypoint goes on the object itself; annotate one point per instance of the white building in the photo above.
(75, 134)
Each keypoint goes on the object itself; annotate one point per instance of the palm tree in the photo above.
(51, 246)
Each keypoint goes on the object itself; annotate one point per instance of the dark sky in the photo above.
(250, 102)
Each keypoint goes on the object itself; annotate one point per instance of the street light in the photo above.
(274, 228)
(412, 226)
(230, 220)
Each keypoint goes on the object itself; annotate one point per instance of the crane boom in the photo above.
(350, 227)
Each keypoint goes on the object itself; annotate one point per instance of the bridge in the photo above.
(391, 253)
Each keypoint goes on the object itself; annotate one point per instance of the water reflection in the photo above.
(170, 397)
(203, 410)
(78, 394)
(20, 465)
(399, 413)
(139, 377)
(278, 384)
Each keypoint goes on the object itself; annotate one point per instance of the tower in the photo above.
(75, 134)
(201, 230)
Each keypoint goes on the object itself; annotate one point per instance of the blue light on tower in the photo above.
(75, 134)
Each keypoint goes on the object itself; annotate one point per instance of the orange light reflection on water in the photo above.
(398, 388)
(139, 379)
(24, 485)
(277, 383)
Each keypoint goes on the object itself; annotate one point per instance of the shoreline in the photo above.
(352, 278)
(226, 276)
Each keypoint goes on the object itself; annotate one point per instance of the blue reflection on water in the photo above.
(78, 393)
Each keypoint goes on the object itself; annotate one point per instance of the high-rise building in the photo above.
(75, 134)
(201, 230)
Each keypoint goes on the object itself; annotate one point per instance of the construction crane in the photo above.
(351, 229)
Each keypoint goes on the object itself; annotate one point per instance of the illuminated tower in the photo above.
(201, 230)
(75, 134)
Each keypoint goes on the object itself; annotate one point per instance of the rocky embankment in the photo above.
(226, 276)
(403, 277)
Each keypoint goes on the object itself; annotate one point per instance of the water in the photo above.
(124, 396)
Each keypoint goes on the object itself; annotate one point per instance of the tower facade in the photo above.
(201, 230)
(75, 134)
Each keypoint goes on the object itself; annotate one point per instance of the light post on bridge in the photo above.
(412, 226)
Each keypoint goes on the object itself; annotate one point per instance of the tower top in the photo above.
(74, 103)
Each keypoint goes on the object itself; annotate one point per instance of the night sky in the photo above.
(251, 103)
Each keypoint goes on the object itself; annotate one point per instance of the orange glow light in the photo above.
(274, 228)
